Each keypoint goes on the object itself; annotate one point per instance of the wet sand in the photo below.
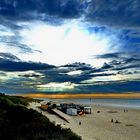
(98, 126)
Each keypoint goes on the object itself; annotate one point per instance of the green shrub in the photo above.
(19, 123)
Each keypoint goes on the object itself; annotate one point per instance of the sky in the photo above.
(69, 46)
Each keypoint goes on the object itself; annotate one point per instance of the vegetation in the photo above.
(19, 123)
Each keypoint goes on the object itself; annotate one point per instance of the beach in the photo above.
(101, 124)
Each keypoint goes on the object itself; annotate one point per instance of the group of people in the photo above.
(115, 121)
(125, 110)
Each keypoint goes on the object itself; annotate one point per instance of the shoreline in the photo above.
(119, 106)
(100, 96)
(101, 102)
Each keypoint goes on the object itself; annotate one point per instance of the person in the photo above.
(117, 121)
(79, 123)
(112, 120)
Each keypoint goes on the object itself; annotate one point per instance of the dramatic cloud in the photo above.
(114, 12)
(31, 9)
(111, 87)
(120, 61)
(69, 46)
(9, 62)
(124, 13)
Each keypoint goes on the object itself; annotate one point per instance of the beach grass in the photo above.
(17, 122)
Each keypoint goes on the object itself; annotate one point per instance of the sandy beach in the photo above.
(98, 126)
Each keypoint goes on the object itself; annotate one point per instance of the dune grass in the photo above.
(19, 123)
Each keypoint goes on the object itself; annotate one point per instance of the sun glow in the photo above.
(56, 86)
(64, 44)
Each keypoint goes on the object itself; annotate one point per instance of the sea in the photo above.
(121, 103)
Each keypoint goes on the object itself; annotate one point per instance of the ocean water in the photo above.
(122, 103)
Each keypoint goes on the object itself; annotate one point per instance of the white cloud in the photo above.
(77, 72)
(68, 43)
(18, 75)
(4, 31)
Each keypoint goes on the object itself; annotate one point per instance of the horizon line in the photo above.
(66, 95)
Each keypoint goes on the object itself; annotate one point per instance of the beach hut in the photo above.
(71, 111)
(87, 110)
(44, 106)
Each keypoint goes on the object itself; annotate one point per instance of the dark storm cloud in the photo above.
(130, 35)
(18, 85)
(126, 71)
(130, 39)
(111, 87)
(108, 12)
(106, 66)
(115, 12)
(124, 63)
(78, 66)
(61, 74)
(127, 56)
(31, 9)
(120, 61)
(10, 65)
(48, 73)
(46, 76)
(30, 75)
(56, 76)
(127, 67)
